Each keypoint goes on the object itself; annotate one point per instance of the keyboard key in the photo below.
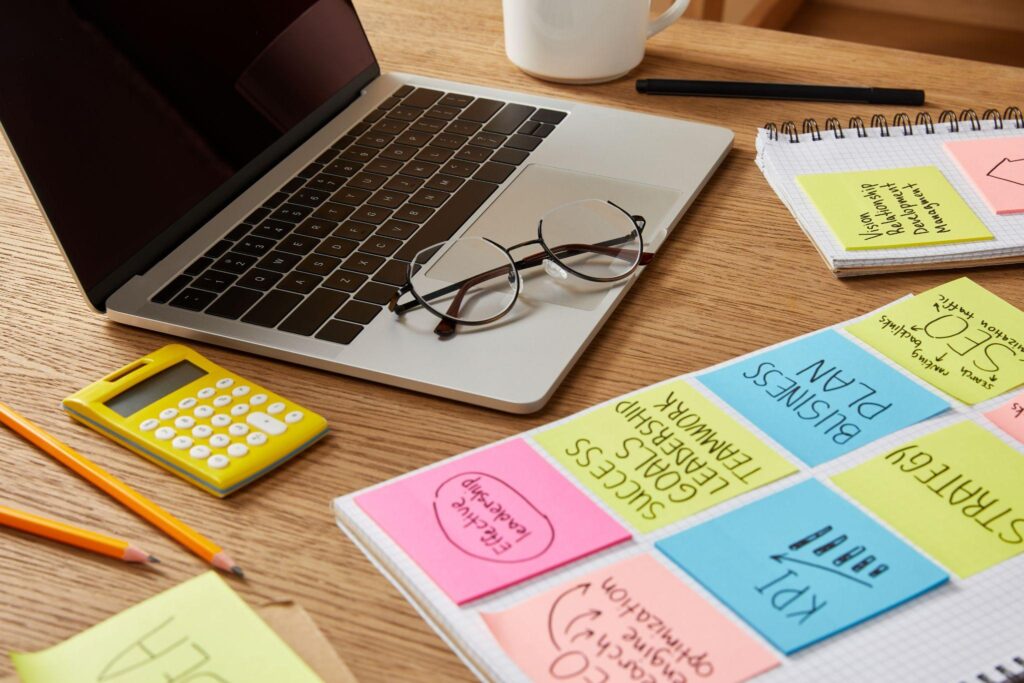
(443, 113)
(429, 198)
(325, 157)
(435, 155)
(317, 264)
(376, 140)
(333, 211)
(403, 91)
(444, 183)
(428, 126)
(509, 118)
(193, 299)
(367, 181)
(276, 200)
(199, 265)
(489, 140)
(390, 126)
(543, 130)
(448, 219)
(494, 173)
(388, 200)
(343, 168)
(212, 281)
(374, 116)
(507, 155)
(358, 312)
(359, 129)
(450, 140)
(528, 128)
(463, 169)
(357, 154)
(239, 231)
(218, 250)
(422, 98)
(234, 263)
(291, 213)
(352, 196)
(260, 279)
(172, 288)
(309, 197)
(316, 227)
(397, 229)
(257, 246)
(549, 116)
(395, 273)
(363, 263)
(272, 308)
(375, 293)
(325, 182)
(462, 128)
(389, 103)
(336, 247)
(279, 261)
(339, 332)
(481, 111)
(403, 183)
(383, 166)
(272, 229)
(354, 231)
(234, 303)
(255, 217)
(343, 142)
(399, 152)
(345, 281)
(310, 171)
(403, 113)
(311, 313)
(526, 142)
(371, 215)
(300, 283)
(414, 138)
(455, 100)
(475, 154)
(381, 246)
(413, 213)
(298, 244)
(420, 169)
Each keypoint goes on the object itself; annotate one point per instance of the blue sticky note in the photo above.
(822, 396)
(802, 565)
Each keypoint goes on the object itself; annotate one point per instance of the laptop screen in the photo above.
(137, 121)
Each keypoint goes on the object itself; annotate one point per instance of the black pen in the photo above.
(780, 91)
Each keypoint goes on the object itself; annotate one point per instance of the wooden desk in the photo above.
(738, 274)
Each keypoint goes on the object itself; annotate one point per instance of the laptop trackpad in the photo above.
(514, 215)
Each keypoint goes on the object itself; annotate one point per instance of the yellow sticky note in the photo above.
(663, 454)
(959, 337)
(955, 493)
(892, 207)
(198, 631)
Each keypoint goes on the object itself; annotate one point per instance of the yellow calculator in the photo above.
(206, 424)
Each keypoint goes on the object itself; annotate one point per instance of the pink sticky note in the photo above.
(1010, 417)
(631, 621)
(995, 167)
(486, 521)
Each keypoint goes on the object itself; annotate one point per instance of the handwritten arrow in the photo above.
(589, 633)
(583, 588)
(936, 307)
(783, 557)
(993, 378)
(939, 359)
(593, 614)
(1010, 170)
(915, 328)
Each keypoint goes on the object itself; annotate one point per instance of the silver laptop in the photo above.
(241, 173)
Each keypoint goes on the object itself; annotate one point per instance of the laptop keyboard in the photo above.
(326, 252)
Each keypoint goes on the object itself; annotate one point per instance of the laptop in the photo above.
(243, 174)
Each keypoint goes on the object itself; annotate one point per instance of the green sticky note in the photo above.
(955, 493)
(199, 631)
(663, 454)
(892, 207)
(960, 337)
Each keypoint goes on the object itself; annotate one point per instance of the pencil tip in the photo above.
(237, 571)
(154, 559)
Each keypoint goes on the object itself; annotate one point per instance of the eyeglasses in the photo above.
(476, 281)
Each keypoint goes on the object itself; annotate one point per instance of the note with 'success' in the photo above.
(197, 632)
(959, 337)
(956, 493)
(663, 454)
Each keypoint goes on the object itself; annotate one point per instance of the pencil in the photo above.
(121, 492)
(73, 535)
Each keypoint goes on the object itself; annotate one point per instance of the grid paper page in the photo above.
(950, 634)
(782, 161)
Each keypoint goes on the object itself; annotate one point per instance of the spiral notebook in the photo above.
(903, 195)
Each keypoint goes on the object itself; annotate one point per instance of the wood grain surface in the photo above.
(738, 274)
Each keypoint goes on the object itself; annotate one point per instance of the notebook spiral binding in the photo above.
(900, 122)
(1004, 674)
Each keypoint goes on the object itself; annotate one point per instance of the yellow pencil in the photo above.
(119, 491)
(73, 535)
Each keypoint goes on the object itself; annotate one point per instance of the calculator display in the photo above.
(154, 388)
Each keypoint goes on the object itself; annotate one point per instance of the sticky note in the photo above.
(892, 207)
(802, 565)
(956, 493)
(959, 337)
(628, 622)
(483, 522)
(995, 167)
(198, 631)
(1010, 417)
(822, 396)
(663, 454)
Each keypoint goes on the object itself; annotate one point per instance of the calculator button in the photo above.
(275, 408)
(221, 401)
(265, 423)
(239, 410)
(241, 391)
(218, 462)
(169, 414)
(165, 433)
(258, 399)
(225, 383)
(149, 425)
(238, 450)
(294, 416)
(202, 431)
(185, 422)
(203, 412)
(182, 443)
(238, 429)
(207, 392)
(219, 440)
(200, 452)
(186, 403)
(220, 420)
(256, 439)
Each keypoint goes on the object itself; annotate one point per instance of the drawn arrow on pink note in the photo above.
(1010, 170)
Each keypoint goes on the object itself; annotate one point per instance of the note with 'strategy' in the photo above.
(802, 565)
(957, 493)
(485, 521)
(197, 632)
(959, 337)
(628, 622)
(822, 396)
(663, 454)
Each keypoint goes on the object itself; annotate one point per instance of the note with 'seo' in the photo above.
(627, 622)
(892, 207)
(995, 167)
(957, 493)
(802, 565)
(1010, 417)
(959, 337)
(198, 632)
(822, 396)
(483, 522)
(662, 454)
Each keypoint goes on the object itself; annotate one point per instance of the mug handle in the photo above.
(668, 18)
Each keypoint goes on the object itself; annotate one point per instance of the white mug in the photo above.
(581, 41)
